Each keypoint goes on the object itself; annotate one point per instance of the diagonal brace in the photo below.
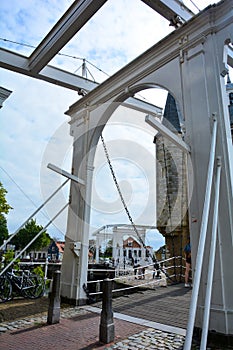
(66, 174)
(167, 133)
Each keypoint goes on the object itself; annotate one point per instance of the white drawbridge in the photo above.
(191, 63)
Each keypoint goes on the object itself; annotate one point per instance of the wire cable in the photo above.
(60, 54)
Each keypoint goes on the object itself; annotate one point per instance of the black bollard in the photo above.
(54, 300)
(107, 331)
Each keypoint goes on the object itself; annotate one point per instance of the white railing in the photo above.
(32, 215)
(211, 261)
(34, 238)
(201, 245)
(140, 279)
(45, 263)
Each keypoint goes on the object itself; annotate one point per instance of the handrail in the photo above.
(202, 239)
(130, 273)
(34, 238)
(211, 261)
(33, 214)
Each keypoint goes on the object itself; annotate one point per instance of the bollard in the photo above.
(106, 329)
(54, 300)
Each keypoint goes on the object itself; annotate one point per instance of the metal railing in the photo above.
(201, 247)
(127, 276)
(33, 214)
(211, 261)
(34, 238)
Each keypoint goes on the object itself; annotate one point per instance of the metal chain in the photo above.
(119, 191)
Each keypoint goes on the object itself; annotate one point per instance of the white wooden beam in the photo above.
(66, 174)
(174, 11)
(68, 25)
(167, 133)
(143, 106)
(122, 82)
(18, 63)
(230, 56)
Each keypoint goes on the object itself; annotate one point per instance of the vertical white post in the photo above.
(46, 269)
(211, 261)
(201, 245)
(83, 262)
(97, 258)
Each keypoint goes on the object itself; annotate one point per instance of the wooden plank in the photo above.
(166, 305)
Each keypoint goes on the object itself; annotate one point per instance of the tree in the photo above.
(27, 233)
(3, 228)
(4, 209)
(4, 206)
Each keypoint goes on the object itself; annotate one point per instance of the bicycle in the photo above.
(22, 282)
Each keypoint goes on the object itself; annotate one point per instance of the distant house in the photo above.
(162, 253)
(55, 251)
(135, 250)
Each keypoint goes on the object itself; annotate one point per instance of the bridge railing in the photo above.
(147, 276)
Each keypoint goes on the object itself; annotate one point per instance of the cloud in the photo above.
(29, 118)
(29, 21)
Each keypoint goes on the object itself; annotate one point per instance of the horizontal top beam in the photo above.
(123, 82)
(18, 63)
(173, 10)
(69, 24)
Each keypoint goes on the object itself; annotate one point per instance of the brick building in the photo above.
(172, 199)
(171, 176)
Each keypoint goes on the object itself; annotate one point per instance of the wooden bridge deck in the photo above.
(166, 305)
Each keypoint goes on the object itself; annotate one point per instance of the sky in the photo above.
(35, 130)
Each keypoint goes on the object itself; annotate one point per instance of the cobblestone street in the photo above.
(23, 324)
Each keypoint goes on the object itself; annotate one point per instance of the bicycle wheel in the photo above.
(33, 287)
(5, 289)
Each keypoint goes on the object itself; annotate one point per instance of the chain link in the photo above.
(120, 193)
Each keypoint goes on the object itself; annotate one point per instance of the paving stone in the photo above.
(149, 339)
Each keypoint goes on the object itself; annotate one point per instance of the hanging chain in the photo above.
(120, 194)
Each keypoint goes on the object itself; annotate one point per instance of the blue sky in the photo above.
(35, 131)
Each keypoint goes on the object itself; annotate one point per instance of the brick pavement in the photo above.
(76, 333)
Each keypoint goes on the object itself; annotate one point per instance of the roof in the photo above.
(171, 117)
(61, 246)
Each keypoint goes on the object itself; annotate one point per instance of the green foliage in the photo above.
(4, 206)
(3, 228)
(8, 257)
(4, 209)
(27, 233)
(38, 270)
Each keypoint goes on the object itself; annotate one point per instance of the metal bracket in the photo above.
(76, 247)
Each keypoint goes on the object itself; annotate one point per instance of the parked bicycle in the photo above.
(21, 282)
